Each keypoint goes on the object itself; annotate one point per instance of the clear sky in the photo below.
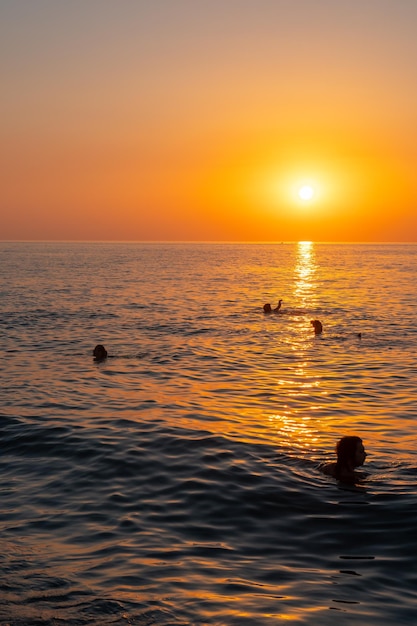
(203, 119)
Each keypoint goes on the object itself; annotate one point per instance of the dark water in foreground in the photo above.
(177, 482)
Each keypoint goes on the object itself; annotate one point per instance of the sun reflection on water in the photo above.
(305, 274)
(295, 424)
(295, 432)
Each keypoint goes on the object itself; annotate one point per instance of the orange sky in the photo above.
(198, 120)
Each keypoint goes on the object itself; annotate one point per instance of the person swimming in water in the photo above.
(350, 455)
(318, 326)
(100, 353)
(269, 309)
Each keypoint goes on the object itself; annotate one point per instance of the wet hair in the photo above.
(267, 308)
(346, 451)
(100, 352)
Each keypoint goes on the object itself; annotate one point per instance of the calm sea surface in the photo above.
(176, 483)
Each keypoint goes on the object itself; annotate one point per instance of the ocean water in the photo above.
(177, 482)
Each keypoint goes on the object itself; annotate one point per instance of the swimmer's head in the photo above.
(267, 308)
(317, 325)
(350, 452)
(99, 353)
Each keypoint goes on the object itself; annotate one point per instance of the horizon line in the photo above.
(206, 241)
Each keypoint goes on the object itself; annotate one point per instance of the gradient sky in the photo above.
(200, 120)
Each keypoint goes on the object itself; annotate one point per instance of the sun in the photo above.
(306, 192)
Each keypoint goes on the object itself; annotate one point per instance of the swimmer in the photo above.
(269, 309)
(99, 353)
(350, 454)
(318, 326)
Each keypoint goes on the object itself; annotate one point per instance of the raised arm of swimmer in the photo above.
(268, 309)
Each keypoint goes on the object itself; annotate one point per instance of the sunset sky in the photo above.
(201, 120)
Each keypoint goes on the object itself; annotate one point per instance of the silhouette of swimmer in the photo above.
(269, 309)
(350, 454)
(100, 353)
(318, 326)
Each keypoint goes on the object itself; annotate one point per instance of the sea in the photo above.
(177, 482)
